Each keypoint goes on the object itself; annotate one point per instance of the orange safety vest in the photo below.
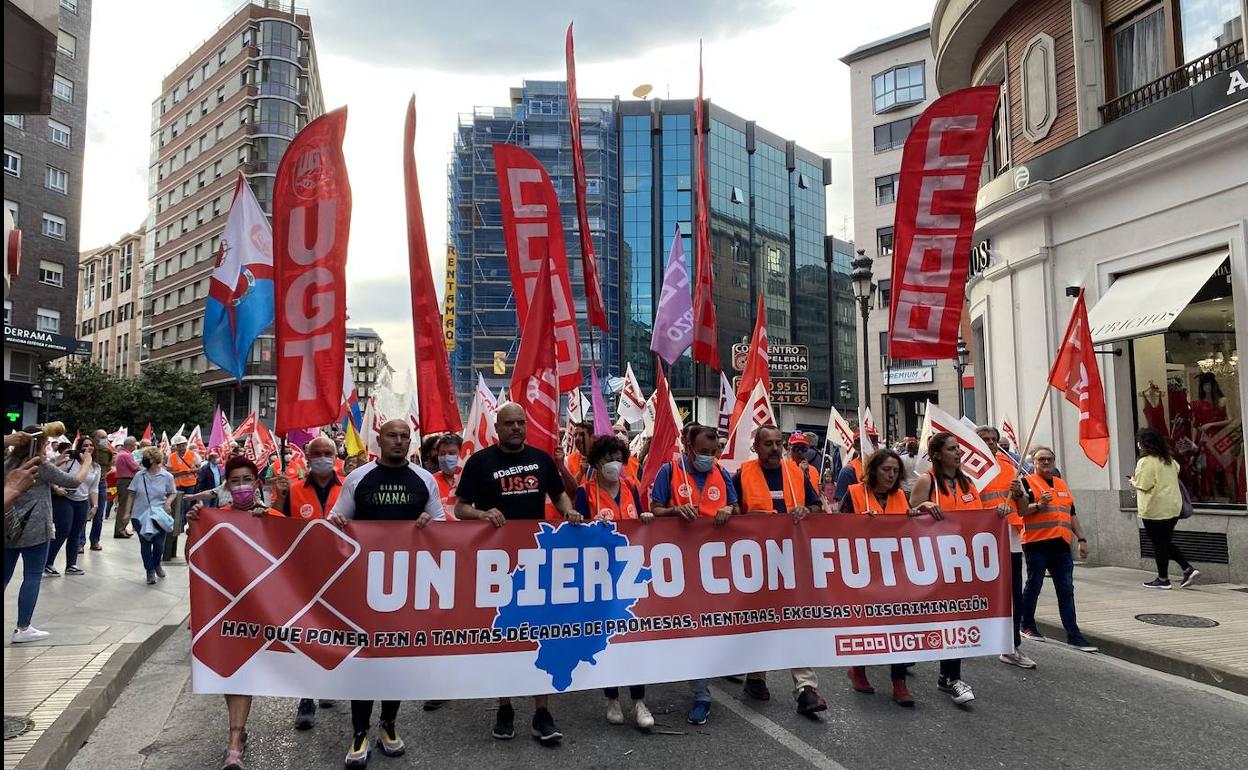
(708, 501)
(998, 490)
(955, 499)
(632, 470)
(1053, 519)
(304, 503)
(757, 496)
(600, 502)
(183, 469)
(446, 490)
(865, 501)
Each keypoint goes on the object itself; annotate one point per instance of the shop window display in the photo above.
(1187, 386)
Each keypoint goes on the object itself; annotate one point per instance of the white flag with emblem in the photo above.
(839, 432)
(727, 404)
(632, 404)
(757, 413)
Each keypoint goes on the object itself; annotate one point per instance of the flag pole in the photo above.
(1022, 457)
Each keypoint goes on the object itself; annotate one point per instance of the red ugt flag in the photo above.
(589, 265)
(1076, 374)
(935, 221)
(311, 224)
(705, 325)
(436, 396)
(534, 384)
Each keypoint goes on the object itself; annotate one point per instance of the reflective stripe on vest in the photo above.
(708, 500)
(1054, 518)
(758, 496)
(867, 501)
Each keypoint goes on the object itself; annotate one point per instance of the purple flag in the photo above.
(217, 437)
(602, 419)
(673, 323)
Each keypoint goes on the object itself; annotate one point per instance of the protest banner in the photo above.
(378, 610)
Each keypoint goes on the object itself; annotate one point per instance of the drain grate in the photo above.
(1176, 621)
(15, 726)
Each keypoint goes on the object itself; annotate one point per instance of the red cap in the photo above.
(799, 438)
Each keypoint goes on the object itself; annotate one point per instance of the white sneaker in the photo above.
(1016, 658)
(958, 690)
(645, 720)
(29, 634)
(615, 714)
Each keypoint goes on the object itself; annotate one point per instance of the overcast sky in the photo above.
(772, 61)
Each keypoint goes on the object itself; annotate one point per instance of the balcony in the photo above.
(1186, 76)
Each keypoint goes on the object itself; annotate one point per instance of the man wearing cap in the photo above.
(184, 466)
(801, 453)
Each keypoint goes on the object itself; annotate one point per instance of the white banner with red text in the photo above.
(385, 610)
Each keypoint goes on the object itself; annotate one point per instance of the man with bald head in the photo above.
(512, 480)
(391, 488)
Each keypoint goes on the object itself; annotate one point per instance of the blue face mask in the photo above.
(703, 463)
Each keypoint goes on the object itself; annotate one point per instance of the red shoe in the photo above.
(901, 694)
(858, 680)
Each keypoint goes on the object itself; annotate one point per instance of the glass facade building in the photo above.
(768, 224)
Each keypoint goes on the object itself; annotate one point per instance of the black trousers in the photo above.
(951, 668)
(362, 713)
(1160, 532)
(635, 691)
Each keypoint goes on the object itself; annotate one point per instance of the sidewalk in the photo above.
(1108, 599)
(103, 625)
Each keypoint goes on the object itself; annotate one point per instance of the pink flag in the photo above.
(673, 323)
(602, 420)
(220, 430)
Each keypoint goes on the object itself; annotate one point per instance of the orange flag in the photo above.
(1076, 374)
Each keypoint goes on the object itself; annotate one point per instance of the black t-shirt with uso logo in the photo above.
(516, 483)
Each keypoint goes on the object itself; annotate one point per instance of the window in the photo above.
(738, 195)
(63, 88)
(51, 273)
(203, 108)
(125, 278)
(890, 136)
(12, 163)
(57, 180)
(773, 260)
(106, 286)
(66, 44)
(884, 293)
(8, 311)
(221, 57)
(47, 320)
(886, 189)
(543, 107)
(106, 319)
(54, 226)
(58, 133)
(13, 209)
(884, 242)
(70, 5)
(17, 121)
(1138, 49)
(898, 87)
(88, 285)
(1208, 25)
(220, 94)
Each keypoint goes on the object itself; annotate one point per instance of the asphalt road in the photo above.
(1075, 710)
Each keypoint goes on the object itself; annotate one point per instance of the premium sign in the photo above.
(284, 607)
(910, 375)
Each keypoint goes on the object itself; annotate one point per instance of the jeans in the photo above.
(1160, 532)
(69, 518)
(125, 501)
(701, 689)
(151, 549)
(97, 521)
(1053, 556)
(1016, 582)
(362, 713)
(635, 691)
(34, 559)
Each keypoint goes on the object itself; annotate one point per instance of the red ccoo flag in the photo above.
(589, 265)
(757, 365)
(1075, 373)
(705, 326)
(435, 395)
(534, 383)
(666, 432)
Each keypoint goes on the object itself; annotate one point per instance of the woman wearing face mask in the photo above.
(242, 479)
(447, 449)
(606, 495)
(153, 487)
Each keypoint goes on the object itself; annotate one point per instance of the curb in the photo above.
(1166, 662)
(64, 737)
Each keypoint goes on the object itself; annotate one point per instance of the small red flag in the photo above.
(534, 383)
(757, 364)
(147, 433)
(439, 412)
(589, 265)
(1076, 374)
(666, 432)
(705, 325)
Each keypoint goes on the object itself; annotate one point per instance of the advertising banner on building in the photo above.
(385, 610)
(448, 302)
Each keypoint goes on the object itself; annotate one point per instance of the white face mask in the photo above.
(611, 470)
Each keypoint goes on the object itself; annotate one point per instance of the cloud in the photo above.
(487, 36)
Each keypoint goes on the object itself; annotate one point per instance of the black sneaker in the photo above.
(1158, 583)
(305, 717)
(809, 702)
(757, 689)
(505, 723)
(544, 728)
(433, 705)
(74, 570)
(51, 571)
(1189, 576)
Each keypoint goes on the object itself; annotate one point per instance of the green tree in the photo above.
(168, 398)
(93, 398)
(160, 395)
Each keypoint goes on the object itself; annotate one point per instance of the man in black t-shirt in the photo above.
(389, 489)
(513, 481)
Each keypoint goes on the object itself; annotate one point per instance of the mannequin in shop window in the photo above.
(1153, 408)
(1209, 417)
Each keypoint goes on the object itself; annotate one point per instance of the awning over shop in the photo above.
(1147, 302)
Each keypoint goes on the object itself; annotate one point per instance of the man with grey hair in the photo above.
(125, 466)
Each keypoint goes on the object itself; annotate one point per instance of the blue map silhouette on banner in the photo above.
(559, 657)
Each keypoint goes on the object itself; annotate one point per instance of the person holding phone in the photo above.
(28, 526)
(72, 508)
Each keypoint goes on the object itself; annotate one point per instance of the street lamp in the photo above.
(45, 393)
(864, 290)
(845, 391)
(963, 360)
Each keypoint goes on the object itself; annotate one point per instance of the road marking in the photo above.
(777, 733)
